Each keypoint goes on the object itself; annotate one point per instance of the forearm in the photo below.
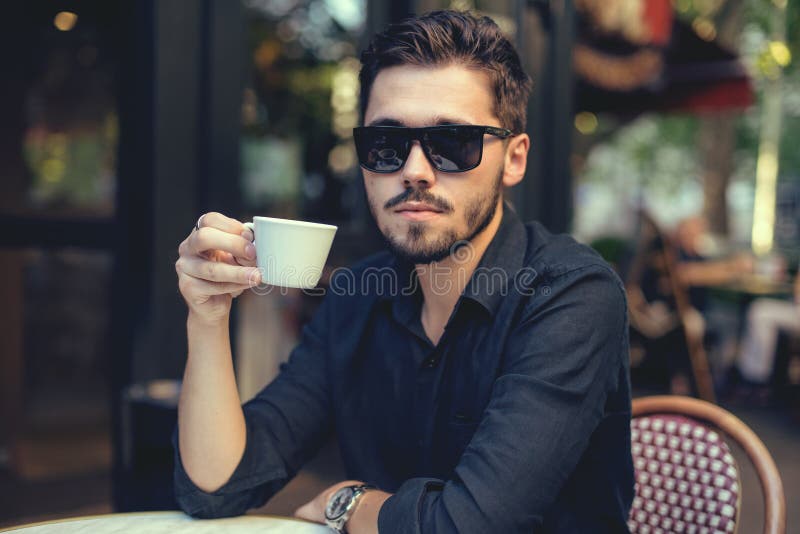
(211, 424)
(707, 273)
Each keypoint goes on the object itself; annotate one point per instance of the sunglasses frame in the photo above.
(418, 134)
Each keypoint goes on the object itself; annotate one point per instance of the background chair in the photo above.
(656, 250)
(686, 478)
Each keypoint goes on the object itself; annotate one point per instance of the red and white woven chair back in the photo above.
(686, 478)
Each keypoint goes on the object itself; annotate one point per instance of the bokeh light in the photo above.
(780, 53)
(586, 122)
(65, 20)
(704, 28)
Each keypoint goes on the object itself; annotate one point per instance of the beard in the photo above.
(478, 213)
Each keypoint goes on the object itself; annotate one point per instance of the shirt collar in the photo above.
(488, 284)
(499, 264)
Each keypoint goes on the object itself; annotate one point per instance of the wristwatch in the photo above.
(342, 504)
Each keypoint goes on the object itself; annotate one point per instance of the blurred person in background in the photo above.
(766, 319)
(658, 345)
(470, 404)
(698, 270)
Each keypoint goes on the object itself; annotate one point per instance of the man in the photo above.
(698, 273)
(489, 392)
(766, 319)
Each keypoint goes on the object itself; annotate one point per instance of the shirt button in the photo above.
(431, 362)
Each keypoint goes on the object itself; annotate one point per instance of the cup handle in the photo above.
(252, 229)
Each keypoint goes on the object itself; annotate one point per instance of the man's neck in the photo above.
(443, 282)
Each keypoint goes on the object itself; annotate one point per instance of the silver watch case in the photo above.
(342, 504)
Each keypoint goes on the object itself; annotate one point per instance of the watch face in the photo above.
(338, 503)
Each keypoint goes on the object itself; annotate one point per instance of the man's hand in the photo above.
(216, 264)
(363, 521)
(314, 510)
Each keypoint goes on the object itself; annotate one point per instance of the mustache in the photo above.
(418, 195)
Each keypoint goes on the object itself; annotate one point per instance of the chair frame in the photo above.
(737, 431)
(698, 358)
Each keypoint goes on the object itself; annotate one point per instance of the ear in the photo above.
(516, 159)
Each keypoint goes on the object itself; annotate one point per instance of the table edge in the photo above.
(153, 512)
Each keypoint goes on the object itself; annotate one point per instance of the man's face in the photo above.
(462, 204)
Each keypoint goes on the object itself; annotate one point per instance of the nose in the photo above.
(417, 170)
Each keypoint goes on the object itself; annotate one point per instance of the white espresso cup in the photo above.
(291, 253)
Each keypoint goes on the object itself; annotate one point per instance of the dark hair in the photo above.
(441, 38)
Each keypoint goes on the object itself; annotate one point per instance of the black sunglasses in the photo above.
(450, 148)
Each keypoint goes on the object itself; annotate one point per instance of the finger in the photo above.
(219, 221)
(221, 256)
(208, 238)
(230, 259)
(192, 287)
(233, 260)
(215, 271)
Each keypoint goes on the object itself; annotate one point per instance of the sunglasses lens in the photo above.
(454, 149)
(450, 148)
(381, 150)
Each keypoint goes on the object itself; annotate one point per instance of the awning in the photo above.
(658, 63)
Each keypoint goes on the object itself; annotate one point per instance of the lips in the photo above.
(417, 211)
(416, 206)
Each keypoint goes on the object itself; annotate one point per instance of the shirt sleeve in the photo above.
(561, 361)
(287, 423)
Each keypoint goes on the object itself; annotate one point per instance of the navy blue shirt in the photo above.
(517, 420)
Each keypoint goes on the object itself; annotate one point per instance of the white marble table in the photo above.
(171, 523)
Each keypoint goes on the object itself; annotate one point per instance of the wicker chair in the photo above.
(686, 478)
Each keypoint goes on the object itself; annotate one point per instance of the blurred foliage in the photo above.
(654, 151)
(297, 48)
(612, 249)
(761, 61)
(664, 147)
(293, 92)
(654, 160)
(759, 57)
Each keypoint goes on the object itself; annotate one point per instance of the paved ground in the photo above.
(781, 435)
(22, 502)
